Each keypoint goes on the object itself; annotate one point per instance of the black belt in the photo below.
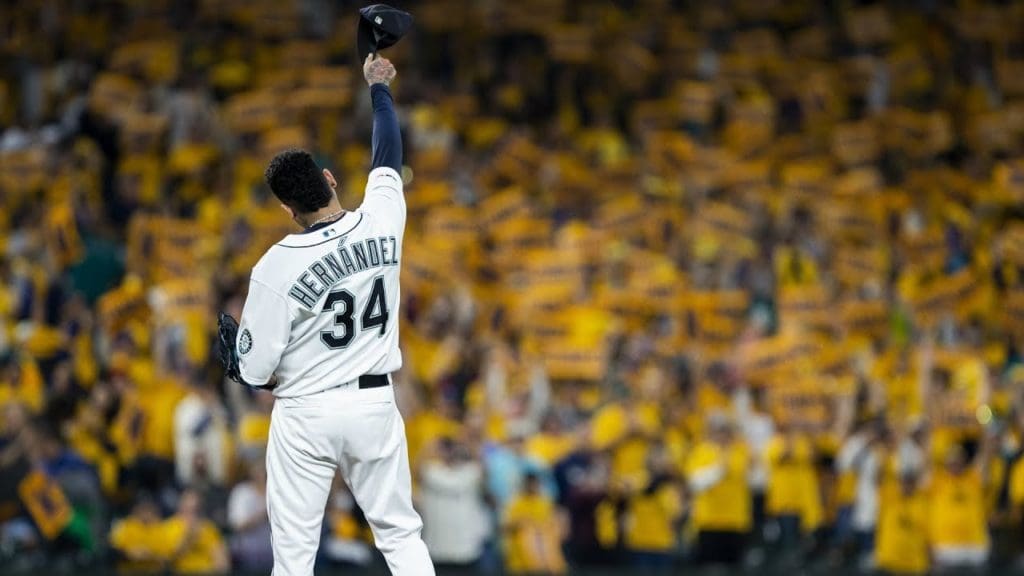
(373, 381)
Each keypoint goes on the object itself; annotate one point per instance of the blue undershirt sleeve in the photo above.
(387, 137)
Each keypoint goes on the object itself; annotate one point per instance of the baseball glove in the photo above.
(227, 327)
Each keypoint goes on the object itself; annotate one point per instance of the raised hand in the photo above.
(378, 70)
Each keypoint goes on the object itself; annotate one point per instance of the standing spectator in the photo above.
(793, 499)
(860, 456)
(195, 542)
(901, 545)
(533, 532)
(200, 438)
(717, 475)
(144, 427)
(957, 527)
(456, 524)
(584, 487)
(652, 518)
(247, 518)
(758, 431)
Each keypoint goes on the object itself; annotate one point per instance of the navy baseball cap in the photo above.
(380, 26)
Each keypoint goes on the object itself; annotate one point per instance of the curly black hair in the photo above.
(297, 181)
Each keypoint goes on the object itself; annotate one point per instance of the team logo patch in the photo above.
(245, 342)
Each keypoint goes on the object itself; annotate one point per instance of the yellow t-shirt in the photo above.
(726, 504)
(793, 483)
(132, 536)
(611, 428)
(201, 556)
(650, 525)
(629, 461)
(958, 510)
(425, 427)
(157, 399)
(254, 429)
(901, 541)
(533, 541)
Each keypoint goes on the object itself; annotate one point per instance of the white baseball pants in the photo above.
(361, 433)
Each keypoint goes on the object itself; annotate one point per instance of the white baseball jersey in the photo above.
(322, 308)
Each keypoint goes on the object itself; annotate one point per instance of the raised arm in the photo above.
(387, 138)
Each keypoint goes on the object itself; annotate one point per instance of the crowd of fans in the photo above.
(684, 282)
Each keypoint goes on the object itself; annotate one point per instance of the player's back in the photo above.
(334, 291)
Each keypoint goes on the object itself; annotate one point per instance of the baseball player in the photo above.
(320, 328)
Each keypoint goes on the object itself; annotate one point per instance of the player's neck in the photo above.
(322, 215)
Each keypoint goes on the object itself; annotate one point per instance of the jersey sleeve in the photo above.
(385, 198)
(262, 334)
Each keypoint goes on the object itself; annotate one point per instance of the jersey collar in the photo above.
(321, 225)
(323, 232)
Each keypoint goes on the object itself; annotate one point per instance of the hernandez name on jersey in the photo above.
(322, 308)
(359, 256)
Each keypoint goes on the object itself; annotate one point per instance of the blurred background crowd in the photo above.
(684, 282)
